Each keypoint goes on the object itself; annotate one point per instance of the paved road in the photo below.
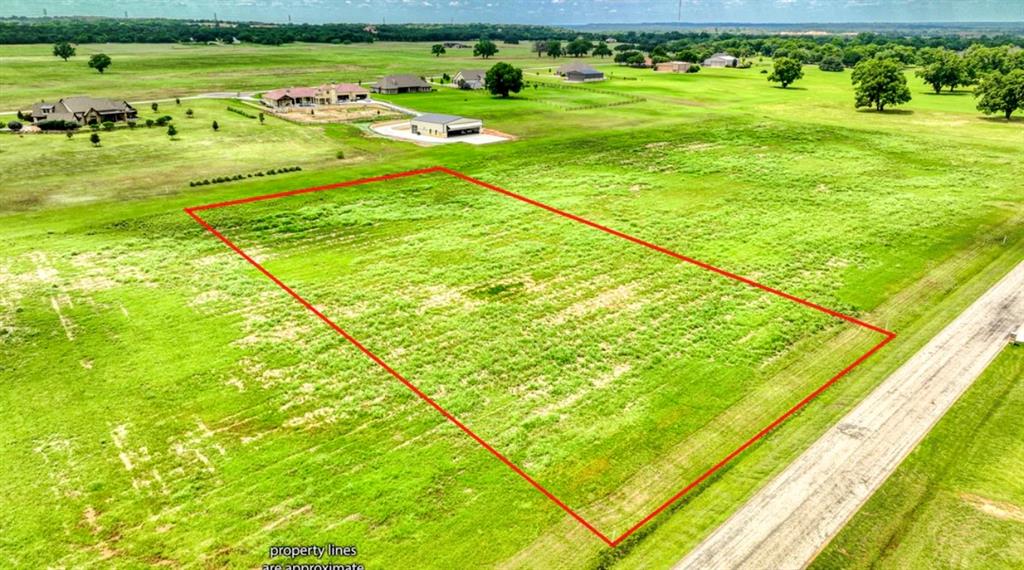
(787, 523)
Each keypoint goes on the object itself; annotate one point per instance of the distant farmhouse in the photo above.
(445, 126)
(469, 79)
(328, 94)
(577, 72)
(84, 110)
(455, 45)
(674, 67)
(405, 83)
(721, 60)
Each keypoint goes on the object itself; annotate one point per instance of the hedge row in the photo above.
(222, 179)
(242, 113)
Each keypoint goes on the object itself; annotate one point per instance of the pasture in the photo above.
(166, 403)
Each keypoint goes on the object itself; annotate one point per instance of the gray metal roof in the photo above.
(440, 119)
(401, 81)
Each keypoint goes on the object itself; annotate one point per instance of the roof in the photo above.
(722, 55)
(591, 72)
(81, 104)
(440, 119)
(472, 74)
(350, 88)
(293, 92)
(401, 81)
(577, 66)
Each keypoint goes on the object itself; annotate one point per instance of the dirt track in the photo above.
(789, 521)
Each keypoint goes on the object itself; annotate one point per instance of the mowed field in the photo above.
(168, 404)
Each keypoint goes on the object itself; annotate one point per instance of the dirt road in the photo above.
(788, 522)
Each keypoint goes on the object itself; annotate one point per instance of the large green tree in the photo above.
(879, 82)
(63, 50)
(485, 49)
(99, 62)
(1001, 93)
(554, 48)
(786, 71)
(601, 49)
(503, 78)
(579, 47)
(944, 68)
(437, 50)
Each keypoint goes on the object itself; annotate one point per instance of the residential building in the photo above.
(404, 83)
(674, 66)
(327, 94)
(721, 60)
(84, 110)
(469, 79)
(445, 126)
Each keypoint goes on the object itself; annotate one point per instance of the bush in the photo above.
(108, 125)
(162, 121)
(149, 123)
(57, 125)
(693, 68)
(339, 155)
(14, 126)
(234, 177)
(241, 112)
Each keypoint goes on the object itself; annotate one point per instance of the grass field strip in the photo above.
(518, 467)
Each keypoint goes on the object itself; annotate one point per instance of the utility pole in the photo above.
(679, 16)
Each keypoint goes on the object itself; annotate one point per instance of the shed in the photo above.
(721, 60)
(445, 126)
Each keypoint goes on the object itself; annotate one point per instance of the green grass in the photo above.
(130, 336)
(958, 500)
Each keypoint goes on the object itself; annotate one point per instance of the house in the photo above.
(577, 72)
(293, 97)
(721, 60)
(469, 79)
(674, 67)
(610, 40)
(351, 92)
(405, 83)
(84, 110)
(455, 45)
(445, 126)
(327, 94)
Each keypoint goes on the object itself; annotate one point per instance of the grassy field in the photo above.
(957, 500)
(167, 404)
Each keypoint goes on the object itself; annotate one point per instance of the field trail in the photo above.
(791, 519)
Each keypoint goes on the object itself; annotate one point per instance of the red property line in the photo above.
(889, 336)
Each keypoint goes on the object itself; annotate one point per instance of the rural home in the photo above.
(328, 94)
(456, 45)
(721, 60)
(84, 110)
(445, 126)
(405, 83)
(673, 67)
(577, 72)
(469, 79)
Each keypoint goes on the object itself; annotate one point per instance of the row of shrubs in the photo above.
(241, 112)
(222, 179)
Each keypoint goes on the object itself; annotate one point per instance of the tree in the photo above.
(99, 62)
(189, 113)
(171, 131)
(215, 126)
(503, 78)
(555, 49)
(154, 106)
(578, 47)
(63, 50)
(602, 50)
(831, 63)
(786, 71)
(879, 82)
(540, 47)
(14, 126)
(437, 50)
(944, 68)
(94, 139)
(485, 49)
(1001, 93)
(261, 118)
(177, 101)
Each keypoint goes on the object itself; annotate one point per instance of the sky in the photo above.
(538, 11)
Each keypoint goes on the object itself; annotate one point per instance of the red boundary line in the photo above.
(889, 335)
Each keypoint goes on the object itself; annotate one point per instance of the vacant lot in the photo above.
(167, 404)
(958, 500)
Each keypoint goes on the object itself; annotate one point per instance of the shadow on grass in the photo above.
(887, 111)
(932, 93)
(1002, 120)
(790, 88)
